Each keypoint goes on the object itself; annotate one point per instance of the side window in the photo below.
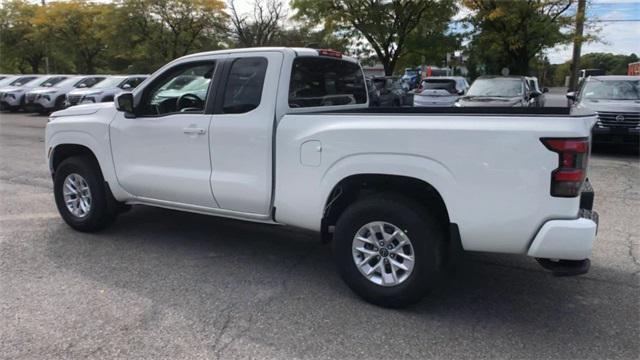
(320, 81)
(132, 83)
(244, 86)
(181, 89)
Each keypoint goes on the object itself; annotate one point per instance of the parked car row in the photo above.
(446, 91)
(47, 93)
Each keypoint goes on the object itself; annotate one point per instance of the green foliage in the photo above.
(612, 64)
(129, 36)
(392, 28)
(510, 33)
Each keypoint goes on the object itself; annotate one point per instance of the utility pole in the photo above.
(577, 45)
(46, 49)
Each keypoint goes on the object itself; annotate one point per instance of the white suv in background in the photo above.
(440, 91)
(74, 96)
(12, 96)
(49, 98)
(106, 90)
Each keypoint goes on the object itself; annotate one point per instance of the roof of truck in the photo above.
(297, 51)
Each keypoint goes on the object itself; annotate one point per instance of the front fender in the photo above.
(98, 146)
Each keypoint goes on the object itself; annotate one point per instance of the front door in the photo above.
(163, 153)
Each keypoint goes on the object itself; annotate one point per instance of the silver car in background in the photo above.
(440, 91)
(106, 90)
(12, 96)
(50, 95)
(74, 96)
(616, 100)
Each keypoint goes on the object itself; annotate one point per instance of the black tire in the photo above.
(103, 209)
(426, 236)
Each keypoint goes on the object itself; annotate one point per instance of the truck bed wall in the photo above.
(492, 171)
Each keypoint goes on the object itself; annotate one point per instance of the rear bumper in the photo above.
(566, 239)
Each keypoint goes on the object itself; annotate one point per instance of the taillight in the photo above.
(568, 177)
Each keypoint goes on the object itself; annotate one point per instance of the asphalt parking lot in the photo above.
(164, 284)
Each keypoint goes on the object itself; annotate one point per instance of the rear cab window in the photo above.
(322, 81)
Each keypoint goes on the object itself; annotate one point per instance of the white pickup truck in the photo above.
(285, 136)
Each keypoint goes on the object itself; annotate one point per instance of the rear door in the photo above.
(242, 133)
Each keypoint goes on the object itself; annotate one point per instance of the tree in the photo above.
(385, 24)
(187, 24)
(78, 27)
(21, 43)
(510, 33)
(264, 26)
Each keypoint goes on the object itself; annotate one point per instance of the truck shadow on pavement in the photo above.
(275, 287)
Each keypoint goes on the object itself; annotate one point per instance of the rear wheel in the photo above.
(389, 250)
(83, 200)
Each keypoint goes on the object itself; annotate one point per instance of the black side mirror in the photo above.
(124, 102)
(571, 96)
(545, 90)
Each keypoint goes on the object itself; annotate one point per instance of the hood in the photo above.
(489, 101)
(11, 88)
(40, 90)
(87, 109)
(81, 91)
(611, 105)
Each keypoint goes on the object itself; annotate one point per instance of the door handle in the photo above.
(193, 131)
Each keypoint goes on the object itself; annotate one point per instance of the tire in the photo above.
(103, 208)
(426, 237)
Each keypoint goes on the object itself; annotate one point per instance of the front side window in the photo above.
(182, 89)
(318, 81)
(244, 86)
(89, 82)
(131, 83)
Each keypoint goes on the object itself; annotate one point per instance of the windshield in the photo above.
(22, 80)
(612, 89)
(52, 81)
(496, 87)
(109, 83)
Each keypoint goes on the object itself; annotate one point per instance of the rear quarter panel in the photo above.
(492, 171)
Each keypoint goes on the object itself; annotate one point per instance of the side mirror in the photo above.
(545, 90)
(126, 86)
(571, 96)
(124, 102)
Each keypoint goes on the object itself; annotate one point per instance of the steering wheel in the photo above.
(194, 101)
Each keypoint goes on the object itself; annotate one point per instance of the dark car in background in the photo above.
(616, 100)
(500, 91)
(390, 92)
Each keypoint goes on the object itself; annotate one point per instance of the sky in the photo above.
(618, 37)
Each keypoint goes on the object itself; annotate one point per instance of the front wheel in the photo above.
(388, 250)
(82, 198)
